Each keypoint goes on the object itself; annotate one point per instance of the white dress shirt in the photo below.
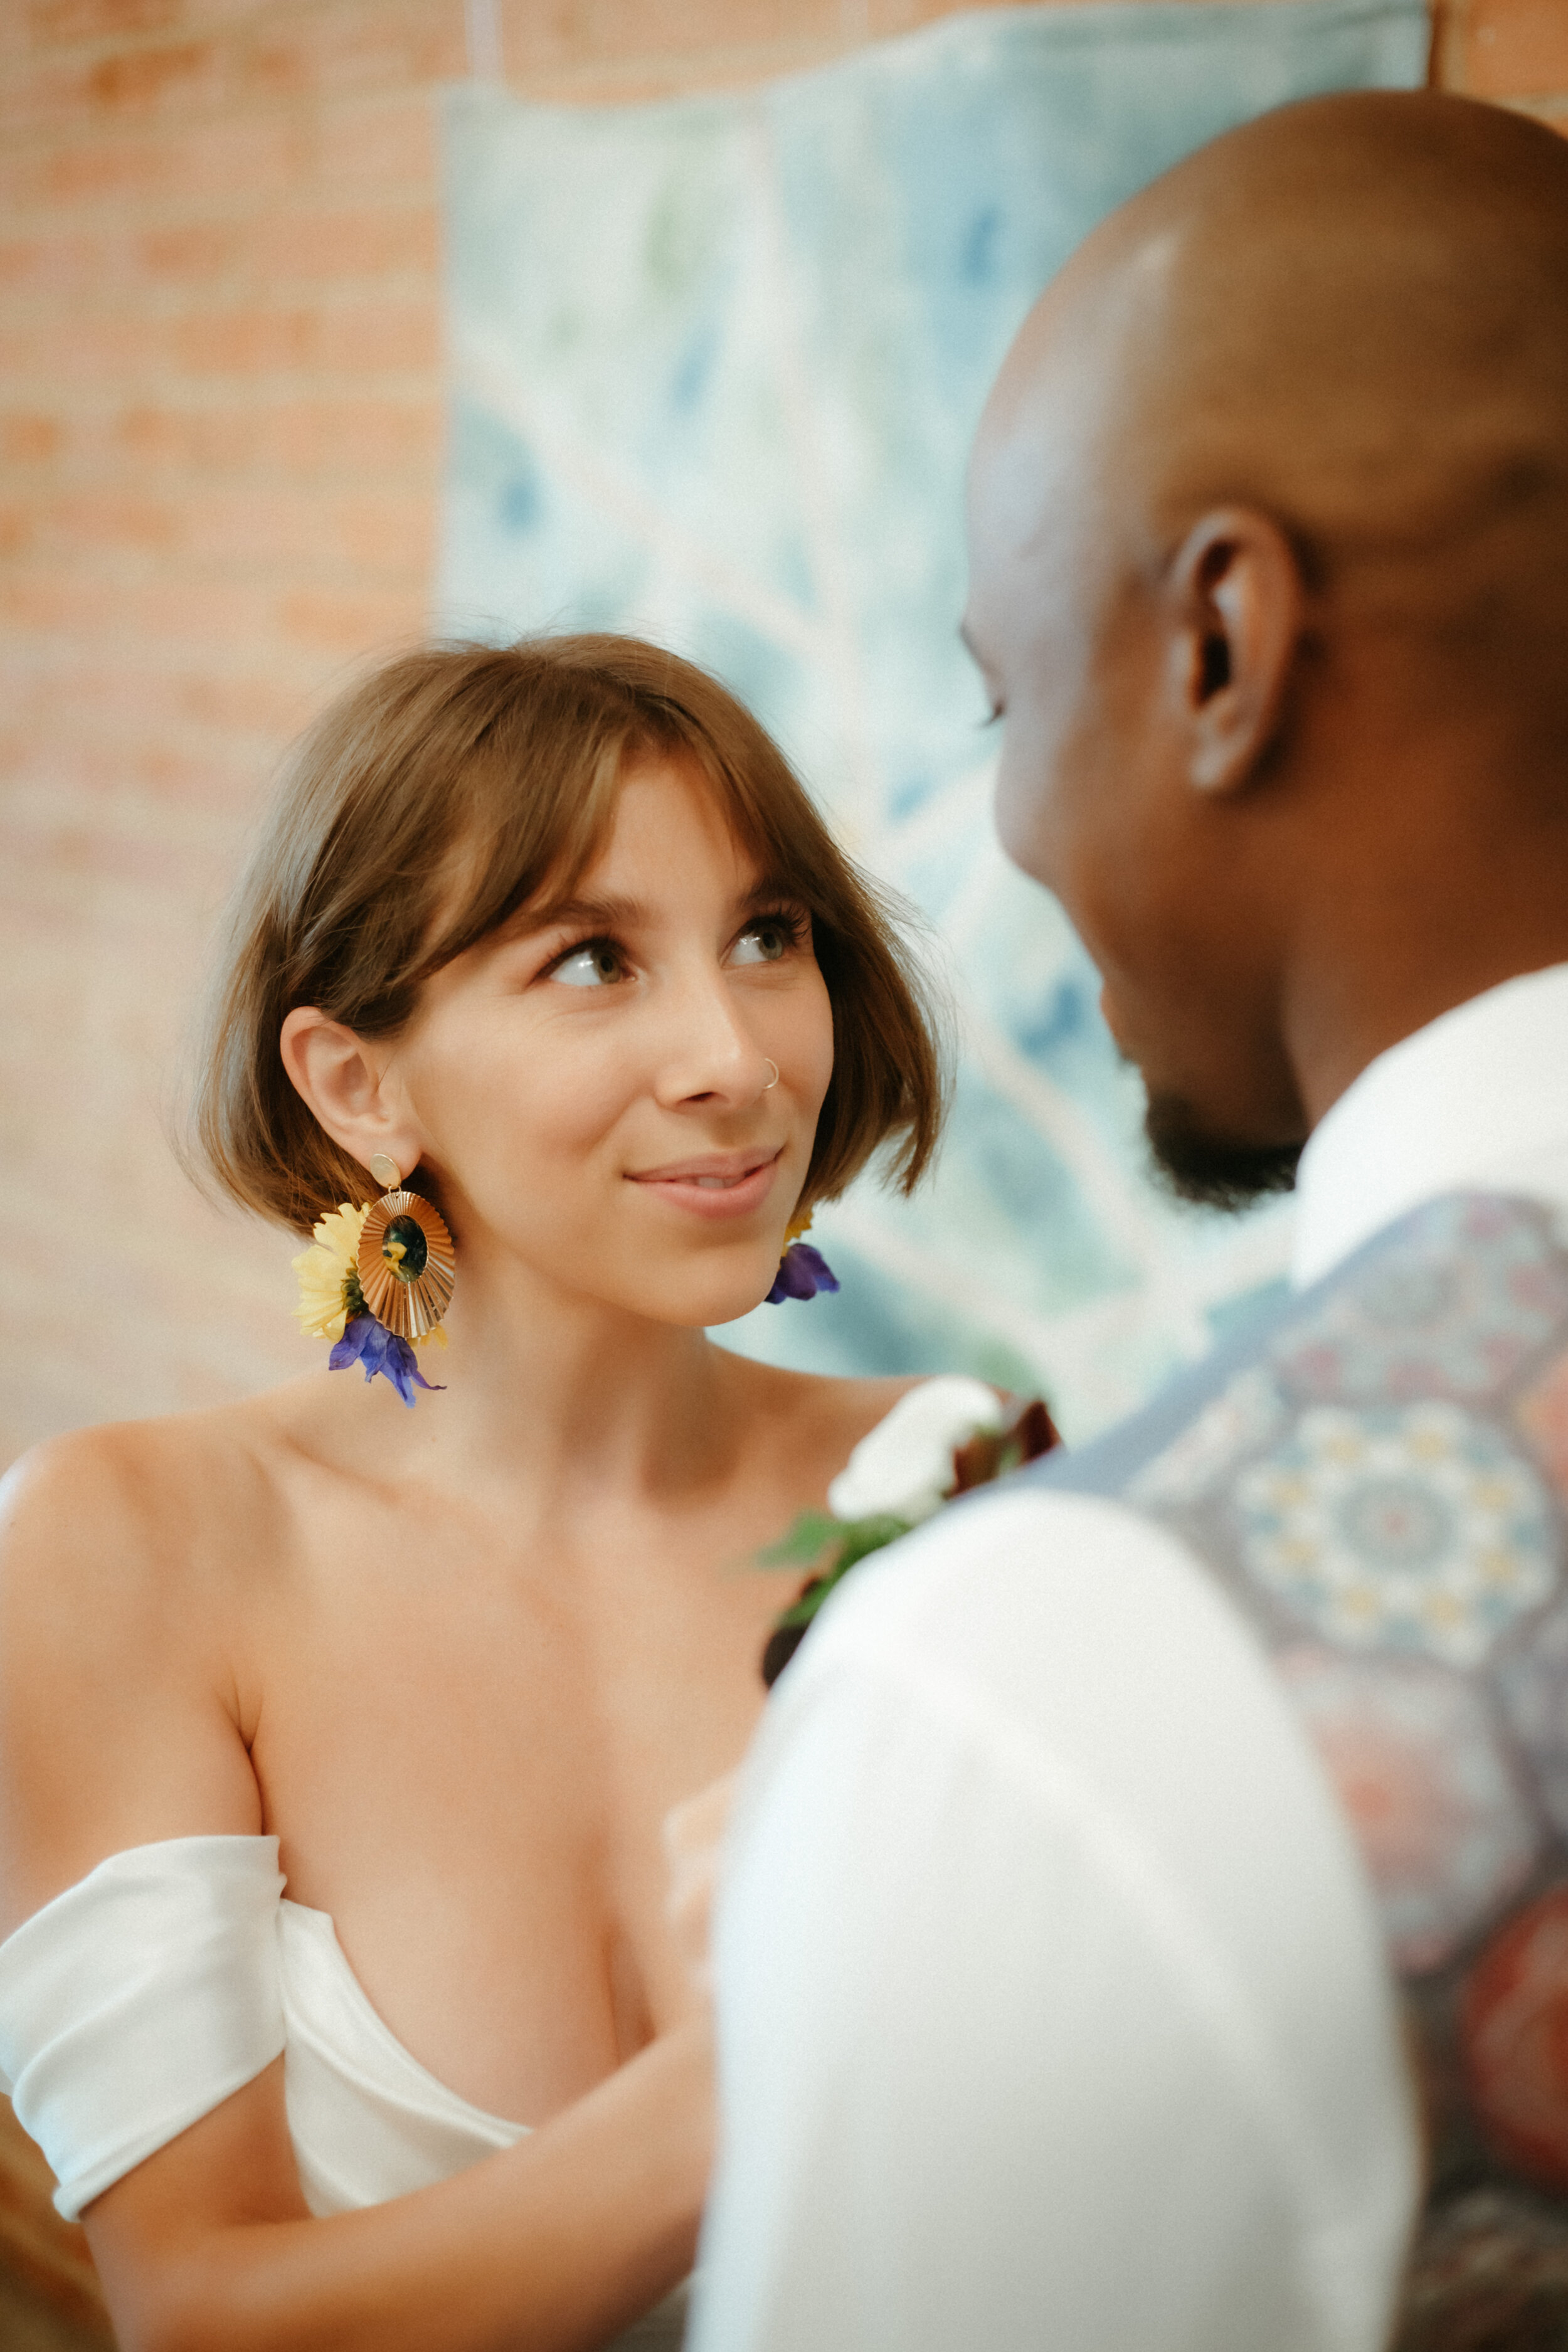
(1053, 2008)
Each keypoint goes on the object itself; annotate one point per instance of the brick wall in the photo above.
(219, 440)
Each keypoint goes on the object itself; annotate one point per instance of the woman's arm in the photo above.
(553, 2245)
(122, 1724)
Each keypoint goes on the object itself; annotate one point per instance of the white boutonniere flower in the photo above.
(940, 1440)
(904, 1466)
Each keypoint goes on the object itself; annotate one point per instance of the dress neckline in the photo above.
(322, 1930)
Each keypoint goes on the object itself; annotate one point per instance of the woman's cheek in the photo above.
(808, 1043)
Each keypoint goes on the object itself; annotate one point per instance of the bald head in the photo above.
(1269, 536)
(1351, 312)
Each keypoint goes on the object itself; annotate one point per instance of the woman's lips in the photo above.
(720, 1185)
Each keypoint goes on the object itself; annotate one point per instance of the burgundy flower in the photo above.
(365, 1341)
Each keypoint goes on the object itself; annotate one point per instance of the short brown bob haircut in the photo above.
(445, 791)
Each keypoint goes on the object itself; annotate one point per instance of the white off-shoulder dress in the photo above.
(141, 1998)
(144, 1997)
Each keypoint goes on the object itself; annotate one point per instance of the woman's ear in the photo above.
(345, 1084)
(1237, 603)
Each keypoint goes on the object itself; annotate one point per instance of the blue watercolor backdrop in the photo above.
(715, 365)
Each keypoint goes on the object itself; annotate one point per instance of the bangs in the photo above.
(498, 867)
(497, 864)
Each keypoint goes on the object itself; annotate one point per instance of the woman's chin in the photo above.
(713, 1295)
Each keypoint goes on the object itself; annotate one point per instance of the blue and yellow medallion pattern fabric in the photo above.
(1380, 1482)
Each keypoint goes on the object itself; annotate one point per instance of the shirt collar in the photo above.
(1477, 1100)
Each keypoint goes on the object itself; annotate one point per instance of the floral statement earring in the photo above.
(803, 1271)
(377, 1280)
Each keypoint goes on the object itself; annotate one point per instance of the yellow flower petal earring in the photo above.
(377, 1281)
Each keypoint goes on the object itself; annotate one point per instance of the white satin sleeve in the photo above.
(138, 2001)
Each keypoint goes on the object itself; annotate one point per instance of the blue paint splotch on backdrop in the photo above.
(715, 367)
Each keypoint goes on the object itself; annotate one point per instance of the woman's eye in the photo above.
(594, 965)
(762, 943)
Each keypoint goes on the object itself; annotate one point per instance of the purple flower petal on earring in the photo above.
(365, 1341)
(803, 1271)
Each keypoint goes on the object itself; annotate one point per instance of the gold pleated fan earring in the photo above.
(406, 1270)
(377, 1281)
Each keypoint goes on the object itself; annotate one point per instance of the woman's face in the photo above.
(591, 1090)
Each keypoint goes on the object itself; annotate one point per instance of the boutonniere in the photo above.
(942, 1440)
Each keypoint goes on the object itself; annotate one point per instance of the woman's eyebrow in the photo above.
(612, 914)
(770, 890)
(609, 914)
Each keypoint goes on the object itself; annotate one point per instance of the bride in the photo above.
(548, 946)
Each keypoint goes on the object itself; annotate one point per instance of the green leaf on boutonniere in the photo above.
(859, 1538)
(803, 1543)
(831, 1546)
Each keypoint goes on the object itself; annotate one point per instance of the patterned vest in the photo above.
(1379, 1480)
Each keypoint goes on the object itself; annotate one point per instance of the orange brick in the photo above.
(268, 706)
(385, 141)
(186, 251)
(93, 792)
(363, 339)
(90, 694)
(190, 440)
(299, 529)
(83, 346)
(177, 607)
(123, 82)
(51, 265)
(30, 439)
(177, 75)
(894, 16)
(343, 45)
(366, 435)
(95, 522)
(61, 23)
(545, 39)
(388, 530)
(63, 600)
(378, 436)
(1515, 48)
(56, 602)
(360, 244)
(234, 158)
(246, 343)
(357, 337)
(353, 622)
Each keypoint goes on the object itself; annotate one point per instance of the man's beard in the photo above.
(1214, 1170)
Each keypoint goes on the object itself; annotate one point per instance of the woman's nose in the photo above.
(708, 1053)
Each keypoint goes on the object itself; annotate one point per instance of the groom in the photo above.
(1146, 1918)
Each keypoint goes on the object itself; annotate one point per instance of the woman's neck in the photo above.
(567, 1392)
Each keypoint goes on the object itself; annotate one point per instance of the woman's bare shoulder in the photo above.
(138, 1488)
(120, 1706)
(147, 1528)
(823, 1408)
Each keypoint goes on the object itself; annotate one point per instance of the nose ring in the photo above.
(775, 1079)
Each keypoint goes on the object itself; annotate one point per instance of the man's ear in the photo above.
(346, 1084)
(1236, 603)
